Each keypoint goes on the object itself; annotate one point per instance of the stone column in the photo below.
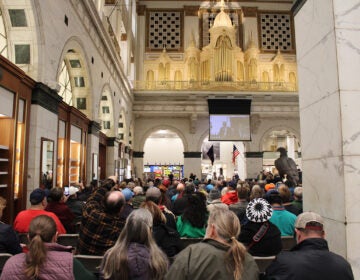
(92, 148)
(328, 47)
(192, 164)
(138, 160)
(112, 148)
(254, 164)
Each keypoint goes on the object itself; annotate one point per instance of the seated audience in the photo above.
(231, 196)
(285, 195)
(139, 197)
(38, 203)
(75, 205)
(310, 259)
(218, 256)
(282, 218)
(297, 202)
(135, 254)
(46, 259)
(214, 201)
(167, 238)
(56, 204)
(261, 237)
(101, 223)
(128, 207)
(239, 208)
(181, 201)
(256, 192)
(154, 194)
(9, 240)
(192, 223)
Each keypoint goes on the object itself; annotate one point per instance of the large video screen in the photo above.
(230, 128)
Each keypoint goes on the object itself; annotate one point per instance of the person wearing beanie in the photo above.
(128, 207)
(259, 235)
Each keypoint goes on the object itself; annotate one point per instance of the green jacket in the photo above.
(185, 229)
(206, 260)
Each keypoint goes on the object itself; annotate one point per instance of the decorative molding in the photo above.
(94, 127)
(138, 154)
(297, 6)
(192, 154)
(253, 154)
(45, 97)
(191, 11)
(110, 141)
(250, 11)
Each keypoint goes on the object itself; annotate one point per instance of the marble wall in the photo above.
(328, 47)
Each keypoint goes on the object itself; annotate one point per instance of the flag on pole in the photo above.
(235, 153)
(210, 154)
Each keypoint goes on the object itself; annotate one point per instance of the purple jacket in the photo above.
(58, 266)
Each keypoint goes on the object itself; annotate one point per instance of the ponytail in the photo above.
(236, 256)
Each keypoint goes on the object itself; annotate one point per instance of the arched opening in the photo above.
(224, 166)
(163, 154)
(178, 79)
(276, 71)
(240, 71)
(150, 79)
(265, 80)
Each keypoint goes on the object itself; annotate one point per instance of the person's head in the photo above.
(158, 216)
(108, 183)
(243, 192)
(284, 193)
(131, 185)
(114, 201)
(189, 188)
(138, 190)
(256, 192)
(224, 227)
(38, 197)
(153, 194)
(282, 151)
(42, 230)
(258, 210)
(273, 197)
(56, 194)
(2, 205)
(137, 230)
(195, 211)
(309, 225)
(128, 194)
(214, 194)
(298, 193)
(180, 187)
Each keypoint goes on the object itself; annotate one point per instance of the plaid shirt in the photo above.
(99, 230)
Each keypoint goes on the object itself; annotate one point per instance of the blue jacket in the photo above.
(9, 240)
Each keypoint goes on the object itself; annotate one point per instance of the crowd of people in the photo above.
(137, 227)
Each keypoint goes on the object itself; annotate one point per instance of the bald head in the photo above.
(114, 201)
(180, 187)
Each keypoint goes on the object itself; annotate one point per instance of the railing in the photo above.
(211, 85)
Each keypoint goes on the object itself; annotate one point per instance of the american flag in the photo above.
(235, 153)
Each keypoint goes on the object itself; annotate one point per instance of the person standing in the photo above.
(310, 259)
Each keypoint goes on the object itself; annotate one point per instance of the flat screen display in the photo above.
(233, 127)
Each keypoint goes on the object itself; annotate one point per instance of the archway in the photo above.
(163, 154)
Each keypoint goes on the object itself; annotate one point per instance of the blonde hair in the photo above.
(137, 230)
(227, 226)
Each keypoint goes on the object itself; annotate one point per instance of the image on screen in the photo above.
(230, 128)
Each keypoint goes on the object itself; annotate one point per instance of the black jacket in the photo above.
(270, 243)
(309, 260)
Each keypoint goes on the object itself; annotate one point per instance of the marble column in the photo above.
(92, 148)
(112, 148)
(192, 164)
(254, 164)
(328, 55)
(138, 160)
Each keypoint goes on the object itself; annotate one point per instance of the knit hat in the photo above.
(127, 193)
(258, 210)
(37, 196)
(308, 217)
(166, 183)
(153, 192)
(269, 186)
(213, 194)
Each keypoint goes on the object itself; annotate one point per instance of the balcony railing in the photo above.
(213, 85)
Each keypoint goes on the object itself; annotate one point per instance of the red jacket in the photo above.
(230, 197)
